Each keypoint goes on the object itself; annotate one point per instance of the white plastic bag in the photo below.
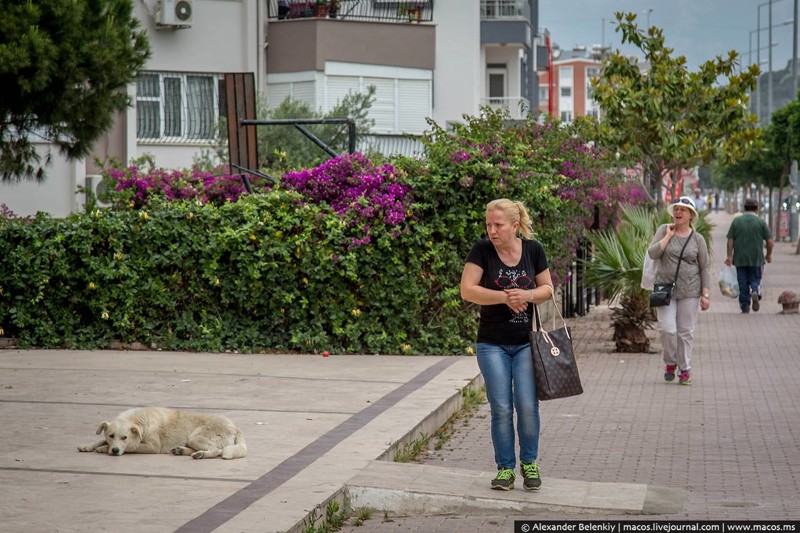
(728, 282)
(648, 272)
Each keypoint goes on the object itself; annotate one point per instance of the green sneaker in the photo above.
(504, 480)
(530, 471)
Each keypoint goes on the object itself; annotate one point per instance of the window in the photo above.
(173, 106)
(566, 92)
(566, 116)
(544, 94)
(496, 85)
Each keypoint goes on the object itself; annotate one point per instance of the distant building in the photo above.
(572, 72)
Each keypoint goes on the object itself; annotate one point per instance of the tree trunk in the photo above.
(630, 339)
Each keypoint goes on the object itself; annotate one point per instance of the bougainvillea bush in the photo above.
(566, 183)
(351, 256)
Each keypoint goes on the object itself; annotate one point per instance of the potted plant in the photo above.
(616, 269)
(321, 8)
(414, 13)
(334, 9)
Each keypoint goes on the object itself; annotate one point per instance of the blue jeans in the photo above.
(508, 373)
(749, 279)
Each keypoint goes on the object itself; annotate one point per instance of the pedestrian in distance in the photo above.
(747, 236)
(691, 291)
(506, 274)
(699, 201)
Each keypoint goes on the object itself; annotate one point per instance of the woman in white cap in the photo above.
(676, 321)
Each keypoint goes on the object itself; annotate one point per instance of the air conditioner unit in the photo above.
(175, 14)
(96, 187)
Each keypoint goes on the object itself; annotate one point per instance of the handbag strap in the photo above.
(538, 324)
(680, 257)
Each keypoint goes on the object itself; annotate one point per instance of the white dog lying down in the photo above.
(161, 430)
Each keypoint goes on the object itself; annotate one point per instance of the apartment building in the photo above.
(427, 58)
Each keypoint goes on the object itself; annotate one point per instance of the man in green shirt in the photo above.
(746, 238)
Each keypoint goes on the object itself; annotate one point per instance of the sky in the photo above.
(697, 29)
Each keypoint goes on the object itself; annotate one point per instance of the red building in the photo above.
(571, 88)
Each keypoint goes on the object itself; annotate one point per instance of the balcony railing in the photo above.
(517, 106)
(365, 10)
(505, 10)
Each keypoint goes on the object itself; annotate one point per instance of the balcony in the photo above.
(505, 10)
(518, 107)
(396, 11)
(506, 22)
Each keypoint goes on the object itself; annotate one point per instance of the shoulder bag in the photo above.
(662, 292)
(554, 367)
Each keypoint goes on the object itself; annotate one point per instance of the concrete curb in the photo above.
(412, 489)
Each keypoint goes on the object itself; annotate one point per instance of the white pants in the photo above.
(676, 323)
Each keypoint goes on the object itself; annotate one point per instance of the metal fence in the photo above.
(576, 297)
(368, 10)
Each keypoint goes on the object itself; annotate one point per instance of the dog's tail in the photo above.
(238, 449)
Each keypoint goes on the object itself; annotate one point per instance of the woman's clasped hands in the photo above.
(518, 299)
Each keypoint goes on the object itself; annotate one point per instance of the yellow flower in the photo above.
(405, 348)
(217, 282)
(252, 237)
(118, 256)
(190, 216)
(104, 316)
(305, 281)
(356, 312)
(470, 351)
(2, 332)
(143, 215)
(92, 286)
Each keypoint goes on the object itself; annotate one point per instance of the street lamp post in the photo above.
(758, 59)
(769, 78)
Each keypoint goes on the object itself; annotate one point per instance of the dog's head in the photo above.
(121, 436)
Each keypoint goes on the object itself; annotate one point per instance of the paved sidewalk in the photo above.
(726, 447)
(310, 422)
(731, 440)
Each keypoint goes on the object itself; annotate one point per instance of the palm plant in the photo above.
(616, 269)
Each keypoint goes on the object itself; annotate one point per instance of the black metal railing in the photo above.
(365, 10)
(577, 297)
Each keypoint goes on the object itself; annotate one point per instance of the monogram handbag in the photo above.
(554, 367)
(662, 292)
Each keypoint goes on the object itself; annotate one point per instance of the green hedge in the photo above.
(267, 272)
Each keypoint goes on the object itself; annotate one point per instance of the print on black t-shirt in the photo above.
(512, 278)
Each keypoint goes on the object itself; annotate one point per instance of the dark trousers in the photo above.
(749, 279)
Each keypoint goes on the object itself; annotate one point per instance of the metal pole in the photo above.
(769, 75)
(793, 230)
(794, 51)
(758, 62)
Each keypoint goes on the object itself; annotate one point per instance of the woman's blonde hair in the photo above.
(515, 212)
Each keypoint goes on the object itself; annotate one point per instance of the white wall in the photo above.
(56, 195)
(226, 36)
(457, 79)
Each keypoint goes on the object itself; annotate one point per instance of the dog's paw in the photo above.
(199, 455)
(102, 449)
(86, 448)
(178, 450)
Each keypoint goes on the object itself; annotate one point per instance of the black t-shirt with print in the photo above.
(499, 324)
